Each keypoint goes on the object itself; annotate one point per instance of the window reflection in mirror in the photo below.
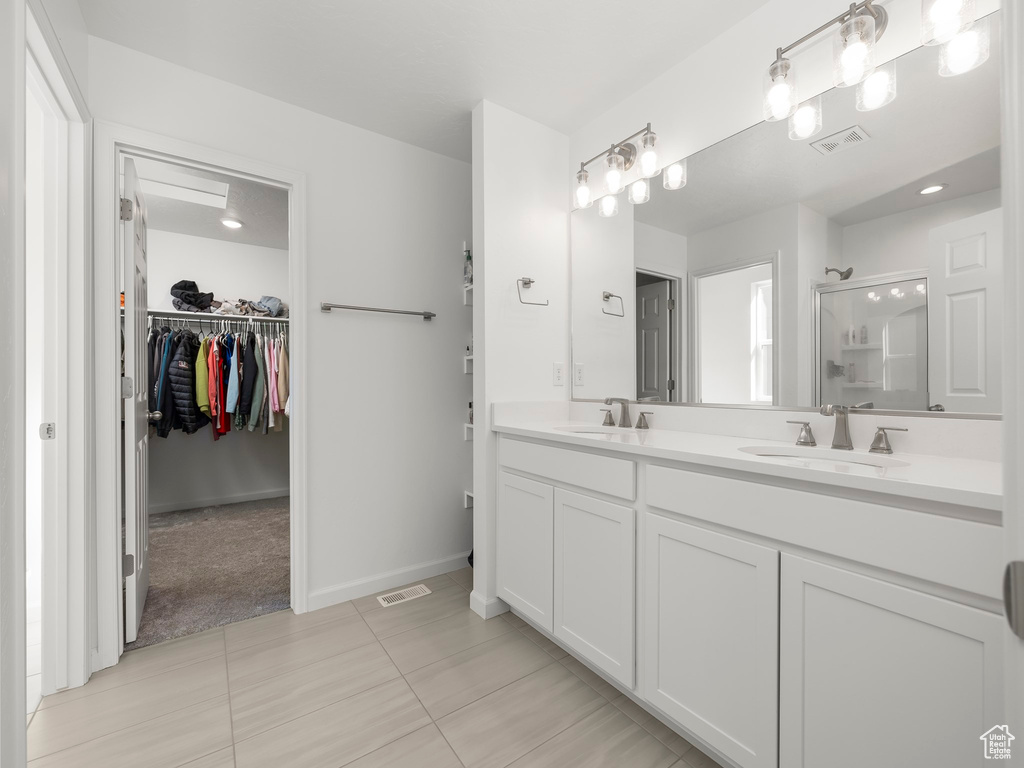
(854, 205)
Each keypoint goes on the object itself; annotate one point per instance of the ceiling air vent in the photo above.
(845, 139)
(394, 598)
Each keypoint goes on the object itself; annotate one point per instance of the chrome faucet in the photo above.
(624, 421)
(841, 437)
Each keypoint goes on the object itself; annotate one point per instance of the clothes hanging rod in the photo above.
(327, 307)
(175, 313)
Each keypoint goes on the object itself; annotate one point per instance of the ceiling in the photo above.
(262, 209)
(414, 70)
(938, 130)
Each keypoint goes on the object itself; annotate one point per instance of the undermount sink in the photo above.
(586, 429)
(824, 455)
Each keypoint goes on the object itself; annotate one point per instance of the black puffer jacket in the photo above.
(168, 418)
(182, 382)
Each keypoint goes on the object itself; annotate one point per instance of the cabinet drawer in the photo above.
(603, 474)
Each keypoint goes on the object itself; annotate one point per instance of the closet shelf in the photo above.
(467, 364)
(467, 295)
(467, 499)
(467, 432)
(211, 316)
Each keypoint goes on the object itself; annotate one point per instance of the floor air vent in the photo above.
(403, 596)
(837, 142)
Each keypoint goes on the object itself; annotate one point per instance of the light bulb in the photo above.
(608, 206)
(806, 121)
(853, 51)
(639, 191)
(942, 20)
(231, 223)
(584, 197)
(871, 294)
(966, 51)
(674, 177)
(648, 155)
(920, 288)
(780, 97)
(613, 174)
(894, 292)
(878, 89)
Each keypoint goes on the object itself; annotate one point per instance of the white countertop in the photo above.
(960, 482)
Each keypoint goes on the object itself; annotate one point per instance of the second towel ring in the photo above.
(526, 282)
(608, 296)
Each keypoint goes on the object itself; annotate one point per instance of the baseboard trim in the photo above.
(352, 590)
(173, 506)
(485, 608)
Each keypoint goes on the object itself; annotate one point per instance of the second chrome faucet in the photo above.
(841, 437)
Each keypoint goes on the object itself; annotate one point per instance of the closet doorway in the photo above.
(207, 262)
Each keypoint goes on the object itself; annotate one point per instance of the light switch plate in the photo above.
(577, 375)
(558, 374)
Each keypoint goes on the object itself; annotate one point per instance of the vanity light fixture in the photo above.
(639, 191)
(965, 51)
(932, 189)
(878, 88)
(614, 168)
(608, 206)
(584, 197)
(780, 94)
(231, 223)
(648, 155)
(805, 122)
(853, 50)
(674, 176)
(942, 20)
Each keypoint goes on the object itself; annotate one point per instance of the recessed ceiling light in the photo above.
(932, 189)
(231, 223)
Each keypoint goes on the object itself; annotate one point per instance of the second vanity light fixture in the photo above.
(950, 23)
(615, 162)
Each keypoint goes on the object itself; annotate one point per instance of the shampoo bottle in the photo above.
(467, 269)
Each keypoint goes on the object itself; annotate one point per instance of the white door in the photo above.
(965, 306)
(876, 674)
(136, 413)
(653, 334)
(594, 582)
(710, 628)
(525, 536)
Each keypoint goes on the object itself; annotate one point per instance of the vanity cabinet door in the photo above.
(710, 634)
(876, 674)
(595, 582)
(525, 531)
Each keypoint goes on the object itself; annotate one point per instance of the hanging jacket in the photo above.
(233, 384)
(258, 390)
(182, 383)
(202, 377)
(282, 374)
(168, 418)
(152, 367)
(249, 373)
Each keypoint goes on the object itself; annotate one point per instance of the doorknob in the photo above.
(1013, 596)
(154, 415)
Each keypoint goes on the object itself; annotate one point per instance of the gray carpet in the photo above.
(214, 566)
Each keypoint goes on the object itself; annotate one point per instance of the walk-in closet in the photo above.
(206, 443)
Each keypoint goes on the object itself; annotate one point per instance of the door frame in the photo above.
(111, 141)
(694, 313)
(677, 329)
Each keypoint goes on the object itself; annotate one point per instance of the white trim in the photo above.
(340, 593)
(216, 501)
(678, 323)
(485, 608)
(111, 141)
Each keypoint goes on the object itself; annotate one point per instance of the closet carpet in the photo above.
(214, 566)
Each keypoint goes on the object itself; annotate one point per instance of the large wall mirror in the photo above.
(861, 267)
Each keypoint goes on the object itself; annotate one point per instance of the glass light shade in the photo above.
(806, 121)
(608, 206)
(966, 51)
(639, 191)
(583, 196)
(780, 97)
(942, 20)
(648, 156)
(878, 89)
(674, 176)
(853, 51)
(614, 168)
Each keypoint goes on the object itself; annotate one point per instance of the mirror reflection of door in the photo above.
(654, 338)
(734, 356)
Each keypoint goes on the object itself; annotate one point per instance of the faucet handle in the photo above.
(806, 436)
(641, 423)
(608, 420)
(881, 442)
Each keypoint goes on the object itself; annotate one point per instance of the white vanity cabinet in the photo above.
(872, 673)
(710, 634)
(594, 582)
(525, 539)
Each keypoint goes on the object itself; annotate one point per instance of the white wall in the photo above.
(818, 245)
(228, 270)
(899, 242)
(387, 463)
(659, 250)
(520, 229)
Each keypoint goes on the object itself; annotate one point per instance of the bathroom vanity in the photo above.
(803, 609)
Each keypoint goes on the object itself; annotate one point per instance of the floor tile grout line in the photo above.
(231, 712)
(297, 616)
(421, 626)
(289, 634)
(301, 666)
(490, 693)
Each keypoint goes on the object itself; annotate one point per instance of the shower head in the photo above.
(844, 274)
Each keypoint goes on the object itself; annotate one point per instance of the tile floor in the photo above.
(424, 684)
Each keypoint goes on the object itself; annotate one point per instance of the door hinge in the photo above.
(128, 566)
(671, 305)
(1013, 596)
(47, 431)
(126, 209)
(671, 385)
(127, 387)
